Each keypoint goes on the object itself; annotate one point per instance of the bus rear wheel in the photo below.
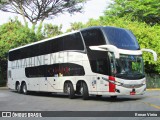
(70, 90)
(84, 91)
(24, 88)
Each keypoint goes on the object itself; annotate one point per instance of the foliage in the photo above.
(153, 81)
(75, 26)
(2, 83)
(3, 1)
(12, 34)
(39, 31)
(141, 10)
(52, 30)
(38, 10)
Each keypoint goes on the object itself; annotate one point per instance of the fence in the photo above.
(153, 81)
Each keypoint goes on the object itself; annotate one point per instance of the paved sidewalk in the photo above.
(4, 88)
(153, 89)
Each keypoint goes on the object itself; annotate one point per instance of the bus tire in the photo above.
(84, 91)
(18, 88)
(24, 88)
(70, 90)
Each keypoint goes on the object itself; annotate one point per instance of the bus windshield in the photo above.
(128, 67)
(121, 38)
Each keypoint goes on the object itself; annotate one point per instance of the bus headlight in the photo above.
(144, 82)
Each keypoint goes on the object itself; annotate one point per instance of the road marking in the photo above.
(152, 105)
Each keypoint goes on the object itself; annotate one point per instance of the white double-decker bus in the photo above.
(92, 61)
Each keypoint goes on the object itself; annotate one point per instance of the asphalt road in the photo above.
(12, 101)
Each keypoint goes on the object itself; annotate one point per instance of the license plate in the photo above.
(132, 93)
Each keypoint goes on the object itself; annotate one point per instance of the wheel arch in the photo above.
(23, 82)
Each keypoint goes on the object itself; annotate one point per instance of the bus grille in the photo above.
(132, 86)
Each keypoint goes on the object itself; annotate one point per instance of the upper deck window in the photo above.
(69, 42)
(121, 38)
(93, 37)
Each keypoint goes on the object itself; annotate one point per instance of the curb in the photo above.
(4, 88)
(153, 89)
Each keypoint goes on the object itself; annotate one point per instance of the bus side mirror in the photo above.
(151, 51)
(110, 48)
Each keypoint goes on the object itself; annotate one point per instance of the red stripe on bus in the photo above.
(112, 86)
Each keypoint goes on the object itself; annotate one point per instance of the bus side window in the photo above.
(93, 37)
(73, 42)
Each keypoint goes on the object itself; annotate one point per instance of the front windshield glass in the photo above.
(128, 67)
(121, 38)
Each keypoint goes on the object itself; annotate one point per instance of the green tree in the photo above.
(52, 30)
(79, 25)
(38, 10)
(13, 34)
(2, 2)
(39, 31)
(75, 26)
(141, 10)
(93, 22)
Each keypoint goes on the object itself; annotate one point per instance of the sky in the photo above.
(92, 9)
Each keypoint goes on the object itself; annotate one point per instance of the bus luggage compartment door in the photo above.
(102, 85)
